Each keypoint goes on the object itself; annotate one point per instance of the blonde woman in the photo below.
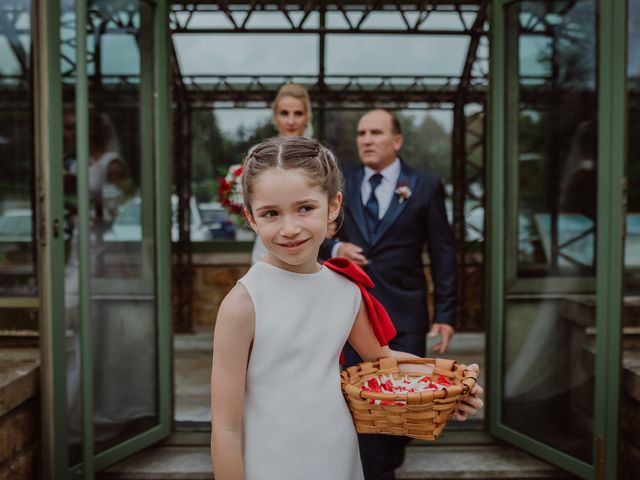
(292, 118)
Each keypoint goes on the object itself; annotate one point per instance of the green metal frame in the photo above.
(48, 130)
(82, 154)
(155, 122)
(611, 152)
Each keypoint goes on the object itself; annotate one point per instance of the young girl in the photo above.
(277, 407)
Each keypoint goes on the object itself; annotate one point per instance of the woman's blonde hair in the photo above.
(296, 91)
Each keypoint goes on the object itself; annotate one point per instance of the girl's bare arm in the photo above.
(364, 341)
(234, 333)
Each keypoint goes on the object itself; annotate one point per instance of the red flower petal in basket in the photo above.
(372, 385)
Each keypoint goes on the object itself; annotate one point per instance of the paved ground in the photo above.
(458, 454)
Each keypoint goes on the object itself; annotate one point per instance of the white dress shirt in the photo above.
(387, 188)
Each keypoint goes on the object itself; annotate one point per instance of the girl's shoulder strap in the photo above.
(378, 316)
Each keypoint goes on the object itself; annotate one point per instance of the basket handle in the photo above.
(445, 365)
(388, 364)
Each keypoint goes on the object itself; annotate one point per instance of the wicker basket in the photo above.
(423, 415)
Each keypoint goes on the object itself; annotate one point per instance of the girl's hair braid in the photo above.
(289, 153)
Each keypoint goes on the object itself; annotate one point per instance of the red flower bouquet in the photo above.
(230, 192)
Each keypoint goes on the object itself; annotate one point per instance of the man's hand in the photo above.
(353, 252)
(445, 331)
(472, 402)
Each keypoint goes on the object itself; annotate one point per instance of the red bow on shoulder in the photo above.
(378, 316)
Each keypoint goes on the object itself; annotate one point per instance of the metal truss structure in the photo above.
(321, 18)
(461, 94)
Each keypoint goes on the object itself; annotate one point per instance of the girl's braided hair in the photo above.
(289, 153)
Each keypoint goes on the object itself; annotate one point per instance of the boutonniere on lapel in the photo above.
(403, 191)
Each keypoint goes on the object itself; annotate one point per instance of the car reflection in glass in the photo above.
(127, 224)
(217, 220)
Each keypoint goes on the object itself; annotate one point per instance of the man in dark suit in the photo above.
(390, 213)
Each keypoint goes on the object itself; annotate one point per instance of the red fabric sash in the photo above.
(378, 316)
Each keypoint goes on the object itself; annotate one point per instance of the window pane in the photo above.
(628, 465)
(556, 138)
(227, 54)
(403, 55)
(221, 139)
(549, 339)
(17, 260)
(632, 245)
(121, 247)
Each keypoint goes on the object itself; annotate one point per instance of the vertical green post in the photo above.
(162, 177)
(146, 44)
(84, 257)
(495, 211)
(50, 221)
(612, 128)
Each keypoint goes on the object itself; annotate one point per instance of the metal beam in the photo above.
(8, 27)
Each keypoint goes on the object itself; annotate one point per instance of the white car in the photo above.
(15, 225)
(127, 225)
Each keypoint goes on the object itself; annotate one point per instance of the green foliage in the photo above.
(212, 152)
(427, 145)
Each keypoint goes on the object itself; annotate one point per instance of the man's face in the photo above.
(377, 144)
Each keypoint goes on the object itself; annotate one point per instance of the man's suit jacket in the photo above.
(395, 249)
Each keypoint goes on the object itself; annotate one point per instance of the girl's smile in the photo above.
(292, 246)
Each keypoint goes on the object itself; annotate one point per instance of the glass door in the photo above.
(104, 191)
(556, 211)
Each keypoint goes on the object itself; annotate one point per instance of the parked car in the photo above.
(127, 224)
(15, 225)
(216, 219)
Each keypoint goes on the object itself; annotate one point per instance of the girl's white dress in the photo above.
(296, 421)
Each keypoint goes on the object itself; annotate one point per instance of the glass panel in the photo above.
(630, 399)
(556, 140)
(221, 138)
(247, 54)
(433, 55)
(549, 337)
(17, 257)
(632, 244)
(121, 252)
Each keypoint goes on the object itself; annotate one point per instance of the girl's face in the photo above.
(291, 117)
(291, 217)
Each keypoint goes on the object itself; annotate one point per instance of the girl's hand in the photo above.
(472, 402)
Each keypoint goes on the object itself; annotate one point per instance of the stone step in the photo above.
(468, 455)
